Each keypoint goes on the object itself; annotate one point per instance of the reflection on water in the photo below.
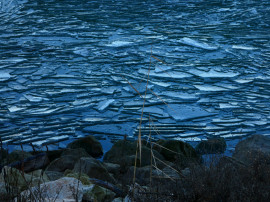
(65, 68)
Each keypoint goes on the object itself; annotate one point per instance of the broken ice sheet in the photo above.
(15, 109)
(184, 96)
(153, 110)
(207, 87)
(115, 129)
(242, 47)
(104, 104)
(162, 68)
(183, 112)
(4, 76)
(33, 98)
(213, 73)
(197, 44)
(171, 74)
(119, 44)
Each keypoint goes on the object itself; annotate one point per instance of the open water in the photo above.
(68, 69)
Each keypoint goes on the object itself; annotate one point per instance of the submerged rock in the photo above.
(211, 146)
(91, 145)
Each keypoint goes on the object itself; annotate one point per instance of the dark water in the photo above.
(65, 69)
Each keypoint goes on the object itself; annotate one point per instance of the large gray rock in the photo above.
(91, 145)
(21, 181)
(112, 168)
(97, 193)
(67, 160)
(38, 161)
(179, 152)
(64, 189)
(123, 152)
(5, 196)
(93, 168)
(18, 155)
(54, 175)
(211, 146)
(254, 148)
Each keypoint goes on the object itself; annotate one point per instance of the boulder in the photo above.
(97, 193)
(176, 151)
(18, 155)
(123, 152)
(64, 189)
(93, 168)
(3, 155)
(91, 145)
(5, 196)
(21, 181)
(112, 168)
(31, 163)
(230, 162)
(54, 154)
(119, 199)
(40, 174)
(211, 146)
(142, 175)
(67, 160)
(54, 175)
(80, 176)
(255, 148)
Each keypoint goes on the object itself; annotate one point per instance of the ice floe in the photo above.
(197, 44)
(207, 87)
(120, 43)
(15, 108)
(104, 104)
(213, 73)
(171, 74)
(183, 112)
(241, 47)
(4, 76)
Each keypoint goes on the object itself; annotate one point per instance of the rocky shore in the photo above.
(166, 170)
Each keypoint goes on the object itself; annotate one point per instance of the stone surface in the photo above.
(93, 168)
(15, 178)
(18, 155)
(112, 168)
(178, 152)
(40, 174)
(31, 163)
(211, 146)
(254, 148)
(91, 145)
(54, 154)
(3, 192)
(67, 160)
(54, 175)
(80, 176)
(123, 152)
(97, 193)
(66, 188)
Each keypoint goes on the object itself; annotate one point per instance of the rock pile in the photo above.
(74, 174)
